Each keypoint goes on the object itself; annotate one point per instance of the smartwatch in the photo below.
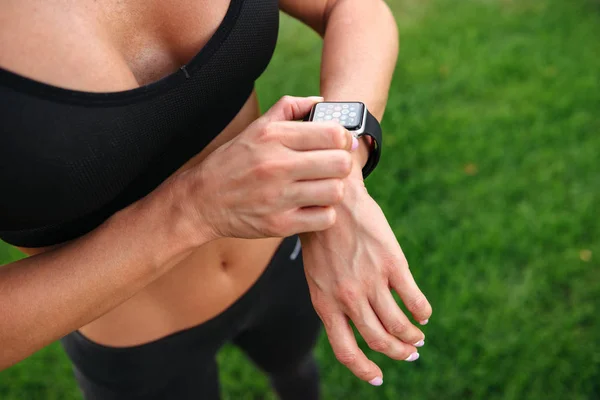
(355, 117)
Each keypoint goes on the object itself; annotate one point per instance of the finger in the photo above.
(402, 281)
(393, 319)
(343, 343)
(324, 192)
(290, 108)
(312, 219)
(304, 136)
(319, 164)
(377, 338)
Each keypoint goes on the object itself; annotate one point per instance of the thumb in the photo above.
(290, 108)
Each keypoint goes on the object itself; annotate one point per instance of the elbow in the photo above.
(6, 361)
(385, 17)
(10, 346)
(350, 12)
(6, 353)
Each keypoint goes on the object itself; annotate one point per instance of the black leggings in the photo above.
(274, 323)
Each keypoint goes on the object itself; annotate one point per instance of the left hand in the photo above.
(351, 268)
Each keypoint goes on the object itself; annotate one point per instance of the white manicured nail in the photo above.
(378, 381)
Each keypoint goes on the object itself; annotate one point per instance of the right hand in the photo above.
(277, 178)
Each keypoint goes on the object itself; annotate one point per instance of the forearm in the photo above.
(359, 55)
(46, 296)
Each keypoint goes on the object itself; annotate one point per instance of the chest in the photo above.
(156, 37)
(73, 158)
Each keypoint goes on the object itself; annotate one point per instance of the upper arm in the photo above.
(312, 12)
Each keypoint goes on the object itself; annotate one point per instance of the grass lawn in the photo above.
(491, 180)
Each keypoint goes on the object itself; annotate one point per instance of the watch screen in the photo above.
(350, 114)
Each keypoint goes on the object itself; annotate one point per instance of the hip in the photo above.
(277, 304)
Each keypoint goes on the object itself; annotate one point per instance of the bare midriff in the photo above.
(135, 52)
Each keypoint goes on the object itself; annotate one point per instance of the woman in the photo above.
(153, 199)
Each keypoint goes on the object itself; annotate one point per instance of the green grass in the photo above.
(490, 179)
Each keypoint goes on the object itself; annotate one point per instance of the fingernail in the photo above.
(354, 143)
(378, 381)
(424, 322)
(420, 343)
(318, 98)
(413, 357)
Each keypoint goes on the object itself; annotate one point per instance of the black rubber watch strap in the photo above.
(372, 129)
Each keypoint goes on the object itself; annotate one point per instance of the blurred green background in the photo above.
(490, 179)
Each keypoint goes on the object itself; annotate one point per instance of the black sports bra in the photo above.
(70, 159)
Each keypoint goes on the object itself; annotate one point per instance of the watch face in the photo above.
(349, 114)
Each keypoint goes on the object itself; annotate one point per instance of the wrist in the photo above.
(359, 159)
(361, 154)
(354, 191)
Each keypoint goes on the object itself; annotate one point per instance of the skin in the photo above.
(191, 267)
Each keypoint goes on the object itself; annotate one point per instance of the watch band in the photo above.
(372, 129)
